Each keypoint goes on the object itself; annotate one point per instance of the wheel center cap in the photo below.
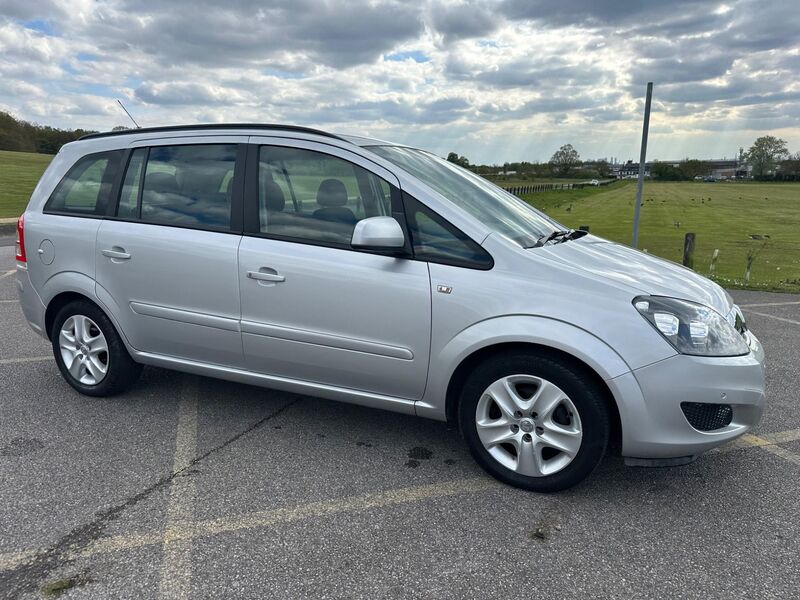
(526, 425)
(84, 349)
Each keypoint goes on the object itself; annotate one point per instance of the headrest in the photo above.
(162, 183)
(273, 196)
(332, 193)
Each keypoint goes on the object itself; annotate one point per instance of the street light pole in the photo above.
(642, 157)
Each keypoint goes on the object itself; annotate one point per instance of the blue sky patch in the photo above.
(416, 55)
(40, 26)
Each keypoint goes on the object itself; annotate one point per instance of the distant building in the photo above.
(631, 169)
(717, 168)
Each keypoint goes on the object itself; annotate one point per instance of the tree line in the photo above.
(22, 136)
(768, 159)
(565, 162)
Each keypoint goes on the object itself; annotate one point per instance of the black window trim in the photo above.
(237, 190)
(120, 157)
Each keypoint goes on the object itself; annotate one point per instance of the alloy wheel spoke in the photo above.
(562, 438)
(504, 396)
(75, 366)
(546, 399)
(94, 368)
(97, 345)
(82, 329)
(529, 460)
(497, 431)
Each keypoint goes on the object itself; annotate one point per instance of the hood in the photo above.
(638, 270)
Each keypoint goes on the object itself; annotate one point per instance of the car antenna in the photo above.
(129, 114)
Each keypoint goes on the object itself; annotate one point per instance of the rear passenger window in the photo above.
(85, 189)
(189, 186)
(314, 196)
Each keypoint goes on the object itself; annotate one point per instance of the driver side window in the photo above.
(313, 196)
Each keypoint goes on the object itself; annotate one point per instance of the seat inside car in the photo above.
(272, 199)
(332, 197)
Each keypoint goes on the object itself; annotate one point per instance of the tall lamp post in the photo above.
(642, 157)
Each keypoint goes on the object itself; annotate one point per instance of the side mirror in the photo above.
(378, 233)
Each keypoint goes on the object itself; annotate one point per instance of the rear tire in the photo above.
(534, 420)
(89, 352)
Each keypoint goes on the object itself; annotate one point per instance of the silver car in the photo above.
(378, 274)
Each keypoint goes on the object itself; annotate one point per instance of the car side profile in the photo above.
(379, 274)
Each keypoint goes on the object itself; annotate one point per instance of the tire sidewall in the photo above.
(582, 391)
(113, 342)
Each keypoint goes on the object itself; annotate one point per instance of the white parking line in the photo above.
(271, 518)
(760, 314)
(768, 304)
(9, 301)
(176, 570)
(7, 273)
(25, 359)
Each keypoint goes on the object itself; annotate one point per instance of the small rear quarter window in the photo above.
(86, 188)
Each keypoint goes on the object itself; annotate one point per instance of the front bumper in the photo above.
(649, 401)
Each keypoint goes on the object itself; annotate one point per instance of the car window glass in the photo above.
(189, 185)
(435, 240)
(86, 186)
(129, 198)
(314, 196)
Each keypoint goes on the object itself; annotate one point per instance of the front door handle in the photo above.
(116, 252)
(266, 274)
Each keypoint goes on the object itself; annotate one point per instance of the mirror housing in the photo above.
(378, 233)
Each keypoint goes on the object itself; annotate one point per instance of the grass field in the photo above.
(19, 172)
(723, 216)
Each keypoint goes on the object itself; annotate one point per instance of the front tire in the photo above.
(534, 420)
(89, 352)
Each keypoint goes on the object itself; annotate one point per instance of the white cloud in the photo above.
(496, 80)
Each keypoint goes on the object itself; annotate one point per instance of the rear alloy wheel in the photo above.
(534, 420)
(89, 352)
(84, 349)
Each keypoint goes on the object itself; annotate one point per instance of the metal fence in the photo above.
(534, 188)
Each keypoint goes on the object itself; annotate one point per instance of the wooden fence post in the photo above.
(688, 250)
(713, 268)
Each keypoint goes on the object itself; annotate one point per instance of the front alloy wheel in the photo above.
(528, 425)
(535, 419)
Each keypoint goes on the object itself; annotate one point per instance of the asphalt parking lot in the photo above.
(191, 487)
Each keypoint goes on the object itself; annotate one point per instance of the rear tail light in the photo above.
(21, 239)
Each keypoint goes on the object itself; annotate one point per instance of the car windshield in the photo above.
(501, 211)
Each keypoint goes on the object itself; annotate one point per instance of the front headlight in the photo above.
(692, 328)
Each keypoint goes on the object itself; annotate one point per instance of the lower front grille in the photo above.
(707, 417)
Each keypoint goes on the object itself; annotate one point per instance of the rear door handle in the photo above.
(266, 274)
(116, 252)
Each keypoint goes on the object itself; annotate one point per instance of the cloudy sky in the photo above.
(495, 80)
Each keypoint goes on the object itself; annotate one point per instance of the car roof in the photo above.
(254, 128)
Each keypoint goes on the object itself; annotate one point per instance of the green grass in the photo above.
(19, 173)
(722, 215)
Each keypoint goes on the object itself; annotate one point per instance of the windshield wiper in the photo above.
(558, 233)
(559, 236)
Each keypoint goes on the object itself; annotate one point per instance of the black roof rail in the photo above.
(167, 128)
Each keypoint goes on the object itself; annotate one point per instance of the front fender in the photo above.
(543, 331)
